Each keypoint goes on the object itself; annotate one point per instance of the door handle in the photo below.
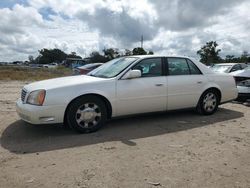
(199, 82)
(158, 85)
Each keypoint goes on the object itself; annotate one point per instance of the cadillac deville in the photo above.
(125, 86)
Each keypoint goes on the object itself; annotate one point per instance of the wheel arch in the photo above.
(214, 88)
(106, 101)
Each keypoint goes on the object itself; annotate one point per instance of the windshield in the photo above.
(113, 67)
(221, 68)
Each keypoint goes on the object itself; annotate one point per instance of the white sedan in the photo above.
(125, 86)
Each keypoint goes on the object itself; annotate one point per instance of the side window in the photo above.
(193, 68)
(150, 67)
(177, 66)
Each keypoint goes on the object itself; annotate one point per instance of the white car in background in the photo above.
(125, 86)
(228, 67)
(51, 65)
(242, 78)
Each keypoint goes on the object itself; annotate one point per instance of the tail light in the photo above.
(242, 81)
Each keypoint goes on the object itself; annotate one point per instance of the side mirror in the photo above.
(132, 74)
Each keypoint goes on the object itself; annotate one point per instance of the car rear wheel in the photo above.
(208, 103)
(86, 114)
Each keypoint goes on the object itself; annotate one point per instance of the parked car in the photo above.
(74, 62)
(86, 68)
(228, 67)
(242, 78)
(50, 66)
(125, 86)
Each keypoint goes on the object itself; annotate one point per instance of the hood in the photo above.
(62, 82)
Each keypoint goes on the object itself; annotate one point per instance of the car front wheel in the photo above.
(86, 114)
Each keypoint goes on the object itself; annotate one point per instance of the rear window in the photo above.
(182, 66)
(193, 68)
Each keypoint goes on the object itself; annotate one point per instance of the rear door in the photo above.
(185, 83)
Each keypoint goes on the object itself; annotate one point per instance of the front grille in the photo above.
(23, 95)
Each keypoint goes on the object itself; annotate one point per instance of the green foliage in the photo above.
(74, 55)
(244, 58)
(96, 57)
(139, 51)
(111, 53)
(209, 54)
(50, 55)
(47, 56)
(31, 59)
(128, 52)
(150, 53)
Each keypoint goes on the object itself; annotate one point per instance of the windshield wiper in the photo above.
(98, 76)
(102, 76)
(92, 75)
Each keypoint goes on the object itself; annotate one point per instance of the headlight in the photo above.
(36, 97)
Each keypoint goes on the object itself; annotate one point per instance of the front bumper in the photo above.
(40, 114)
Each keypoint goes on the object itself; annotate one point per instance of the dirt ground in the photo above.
(174, 149)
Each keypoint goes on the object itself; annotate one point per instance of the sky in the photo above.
(169, 27)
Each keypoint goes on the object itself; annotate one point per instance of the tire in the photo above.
(208, 103)
(86, 114)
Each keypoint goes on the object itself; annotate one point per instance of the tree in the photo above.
(51, 55)
(244, 57)
(96, 57)
(139, 51)
(74, 55)
(111, 53)
(150, 52)
(229, 59)
(31, 59)
(209, 54)
(128, 52)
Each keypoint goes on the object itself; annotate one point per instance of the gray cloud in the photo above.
(178, 15)
(185, 14)
(120, 25)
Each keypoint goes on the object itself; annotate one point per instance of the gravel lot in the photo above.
(174, 149)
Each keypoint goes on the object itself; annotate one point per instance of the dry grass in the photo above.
(27, 73)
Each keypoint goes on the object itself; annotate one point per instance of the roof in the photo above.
(147, 56)
(227, 63)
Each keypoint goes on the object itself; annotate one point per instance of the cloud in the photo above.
(186, 14)
(15, 38)
(169, 27)
(119, 25)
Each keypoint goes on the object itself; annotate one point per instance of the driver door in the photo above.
(145, 94)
